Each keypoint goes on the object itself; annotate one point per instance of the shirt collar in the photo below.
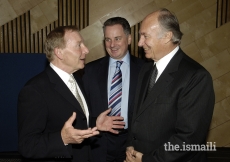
(125, 59)
(163, 62)
(62, 74)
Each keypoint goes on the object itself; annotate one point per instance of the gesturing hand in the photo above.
(71, 135)
(107, 123)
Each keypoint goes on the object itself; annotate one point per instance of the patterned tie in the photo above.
(116, 91)
(73, 89)
(152, 78)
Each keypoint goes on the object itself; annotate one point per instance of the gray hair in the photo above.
(169, 22)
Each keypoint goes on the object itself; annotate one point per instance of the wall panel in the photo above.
(26, 33)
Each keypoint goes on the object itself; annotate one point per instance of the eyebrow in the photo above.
(114, 37)
(80, 41)
(141, 33)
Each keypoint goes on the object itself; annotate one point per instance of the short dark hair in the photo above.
(118, 20)
(56, 39)
(170, 22)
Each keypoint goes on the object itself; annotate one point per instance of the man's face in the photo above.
(151, 39)
(74, 53)
(116, 41)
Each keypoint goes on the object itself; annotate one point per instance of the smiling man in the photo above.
(174, 100)
(53, 115)
(111, 82)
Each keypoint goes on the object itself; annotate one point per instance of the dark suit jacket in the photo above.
(95, 83)
(44, 105)
(178, 109)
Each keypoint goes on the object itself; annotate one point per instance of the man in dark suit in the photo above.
(173, 114)
(97, 82)
(53, 116)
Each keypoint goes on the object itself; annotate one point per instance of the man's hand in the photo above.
(108, 123)
(71, 135)
(133, 155)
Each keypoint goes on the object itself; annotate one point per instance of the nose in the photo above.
(85, 50)
(141, 41)
(112, 43)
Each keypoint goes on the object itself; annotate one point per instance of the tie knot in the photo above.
(71, 79)
(119, 64)
(154, 67)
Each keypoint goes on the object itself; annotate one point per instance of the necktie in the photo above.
(152, 78)
(116, 91)
(73, 89)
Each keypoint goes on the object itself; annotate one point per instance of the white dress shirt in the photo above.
(65, 78)
(163, 62)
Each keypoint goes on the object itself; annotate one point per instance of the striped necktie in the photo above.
(116, 91)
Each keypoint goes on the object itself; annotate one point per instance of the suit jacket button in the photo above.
(134, 138)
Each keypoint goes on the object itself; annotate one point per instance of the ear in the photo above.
(168, 37)
(129, 39)
(58, 53)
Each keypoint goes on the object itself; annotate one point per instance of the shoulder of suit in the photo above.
(137, 60)
(39, 81)
(191, 66)
(191, 62)
(97, 62)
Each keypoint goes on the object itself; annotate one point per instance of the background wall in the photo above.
(202, 40)
(16, 70)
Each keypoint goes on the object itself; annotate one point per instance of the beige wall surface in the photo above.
(202, 41)
(10, 9)
(43, 14)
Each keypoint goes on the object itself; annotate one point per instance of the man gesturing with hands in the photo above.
(53, 117)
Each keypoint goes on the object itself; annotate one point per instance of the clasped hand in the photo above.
(133, 155)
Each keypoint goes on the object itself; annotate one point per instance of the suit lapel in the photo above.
(162, 83)
(62, 89)
(134, 68)
(102, 80)
(142, 88)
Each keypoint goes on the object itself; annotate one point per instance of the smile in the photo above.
(114, 49)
